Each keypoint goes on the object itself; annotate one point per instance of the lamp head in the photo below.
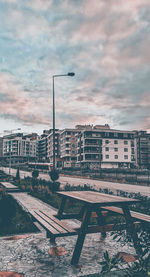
(71, 74)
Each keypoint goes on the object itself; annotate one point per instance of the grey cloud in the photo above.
(85, 98)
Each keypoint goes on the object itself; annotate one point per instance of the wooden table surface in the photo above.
(92, 197)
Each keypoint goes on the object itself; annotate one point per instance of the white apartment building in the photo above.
(20, 147)
(106, 148)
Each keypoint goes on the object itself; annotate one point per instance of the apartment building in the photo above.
(1, 147)
(50, 148)
(105, 147)
(42, 147)
(21, 148)
(68, 147)
(143, 149)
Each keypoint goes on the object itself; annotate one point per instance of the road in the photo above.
(75, 181)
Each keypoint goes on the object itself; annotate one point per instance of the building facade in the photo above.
(19, 148)
(68, 147)
(105, 147)
(50, 148)
(143, 149)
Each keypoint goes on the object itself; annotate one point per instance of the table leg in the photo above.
(62, 206)
(81, 236)
(101, 221)
(131, 229)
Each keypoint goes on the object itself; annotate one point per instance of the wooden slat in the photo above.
(8, 185)
(94, 214)
(62, 224)
(49, 220)
(44, 223)
(106, 228)
(92, 197)
(69, 216)
(136, 215)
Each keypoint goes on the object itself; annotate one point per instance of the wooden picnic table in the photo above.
(9, 187)
(95, 202)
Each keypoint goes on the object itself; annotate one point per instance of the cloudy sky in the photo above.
(105, 42)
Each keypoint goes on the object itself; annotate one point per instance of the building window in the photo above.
(126, 157)
(115, 141)
(106, 148)
(125, 135)
(125, 149)
(107, 141)
(116, 135)
(125, 142)
(132, 143)
(132, 158)
(116, 156)
(116, 149)
(132, 151)
(107, 156)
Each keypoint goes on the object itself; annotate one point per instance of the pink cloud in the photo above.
(20, 104)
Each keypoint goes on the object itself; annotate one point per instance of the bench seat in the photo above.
(142, 217)
(53, 226)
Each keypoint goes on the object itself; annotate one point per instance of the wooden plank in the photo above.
(136, 215)
(69, 216)
(44, 223)
(94, 214)
(106, 228)
(8, 185)
(92, 197)
(62, 224)
(59, 228)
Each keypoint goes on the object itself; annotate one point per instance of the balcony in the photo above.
(92, 143)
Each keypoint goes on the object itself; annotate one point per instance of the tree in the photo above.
(18, 174)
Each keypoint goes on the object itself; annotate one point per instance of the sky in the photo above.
(104, 42)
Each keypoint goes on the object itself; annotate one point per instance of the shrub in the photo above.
(35, 174)
(54, 175)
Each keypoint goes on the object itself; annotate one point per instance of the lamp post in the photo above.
(10, 132)
(70, 74)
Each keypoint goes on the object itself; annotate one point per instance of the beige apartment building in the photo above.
(102, 147)
(68, 147)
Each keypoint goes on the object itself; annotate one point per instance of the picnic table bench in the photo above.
(9, 187)
(53, 226)
(95, 203)
(135, 215)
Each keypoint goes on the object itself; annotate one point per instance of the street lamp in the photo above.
(70, 74)
(10, 132)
